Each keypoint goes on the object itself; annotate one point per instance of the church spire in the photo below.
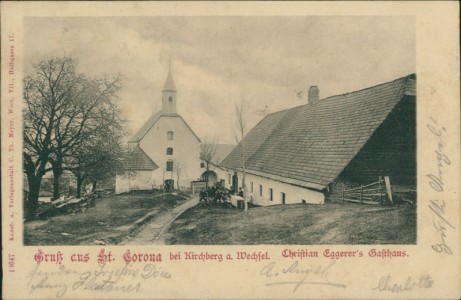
(169, 82)
(169, 94)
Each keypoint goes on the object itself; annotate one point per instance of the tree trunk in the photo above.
(32, 200)
(79, 185)
(95, 183)
(245, 192)
(57, 173)
(206, 176)
(34, 179)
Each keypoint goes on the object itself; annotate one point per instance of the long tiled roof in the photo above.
(310, 145)
(222, 151)
(253, 140)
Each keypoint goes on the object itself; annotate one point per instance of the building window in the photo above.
(251, 187)
(260, 190)
(170, 99)
(169, 165)
(169, 135)
(202, 165)
(271, 195)
(282, 197)
(169, 151)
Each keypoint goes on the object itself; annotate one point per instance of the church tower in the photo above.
(169, 95)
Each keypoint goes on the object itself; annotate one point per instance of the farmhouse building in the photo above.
(164, 152)
(303, 154)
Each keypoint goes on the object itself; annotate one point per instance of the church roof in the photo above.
(145, 128)
(310, 145)
(169, 83)
(137, 137)
(138, 160)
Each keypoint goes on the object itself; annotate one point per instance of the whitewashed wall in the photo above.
(293, 194)
(186, 149)
(141, 180)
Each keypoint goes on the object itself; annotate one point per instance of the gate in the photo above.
(374, 193)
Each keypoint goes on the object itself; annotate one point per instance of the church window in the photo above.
(170, 99)
(169, 165)
(169, 151)
(169, 135)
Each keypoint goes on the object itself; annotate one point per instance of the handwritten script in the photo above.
(127, 279)
(436, 179)
(387, 284)
(438, 207)
(296, 275)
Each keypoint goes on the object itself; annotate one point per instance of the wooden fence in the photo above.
(374, 193)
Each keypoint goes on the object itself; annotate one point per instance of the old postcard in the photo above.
(230, 150)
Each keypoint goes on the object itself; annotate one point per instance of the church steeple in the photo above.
(169, 94)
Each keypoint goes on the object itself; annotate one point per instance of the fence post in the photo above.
(387, 182)
(380, 191)
(342, 192)
(361, 193)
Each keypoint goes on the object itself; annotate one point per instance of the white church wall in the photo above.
(293, 194)
(186, 150)
(140, 180)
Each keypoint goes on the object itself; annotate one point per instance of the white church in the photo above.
(165, 152)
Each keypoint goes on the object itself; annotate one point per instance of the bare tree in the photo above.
(101, 157)
(179, 168)
(89, 117)
(208, 150)
(241, 121)
(62, 109)
(46, 93)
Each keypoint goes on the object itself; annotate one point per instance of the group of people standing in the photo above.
(214, 194)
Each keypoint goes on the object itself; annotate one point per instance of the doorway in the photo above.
(169, 185)
(235, 183)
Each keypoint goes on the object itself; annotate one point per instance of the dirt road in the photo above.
(154, 232)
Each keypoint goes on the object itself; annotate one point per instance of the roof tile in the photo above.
(311, 144)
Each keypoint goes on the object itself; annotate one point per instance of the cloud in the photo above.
(217, 61)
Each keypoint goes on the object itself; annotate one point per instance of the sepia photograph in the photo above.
(230, 150)
(219, 130)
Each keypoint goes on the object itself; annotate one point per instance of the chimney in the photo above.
(313, 94)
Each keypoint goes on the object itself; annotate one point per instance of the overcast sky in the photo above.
(217, 61)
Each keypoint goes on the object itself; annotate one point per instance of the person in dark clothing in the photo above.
(202, 195)
(240, 192)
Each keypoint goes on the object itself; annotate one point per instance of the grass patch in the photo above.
(332, 223)
(110, 220)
